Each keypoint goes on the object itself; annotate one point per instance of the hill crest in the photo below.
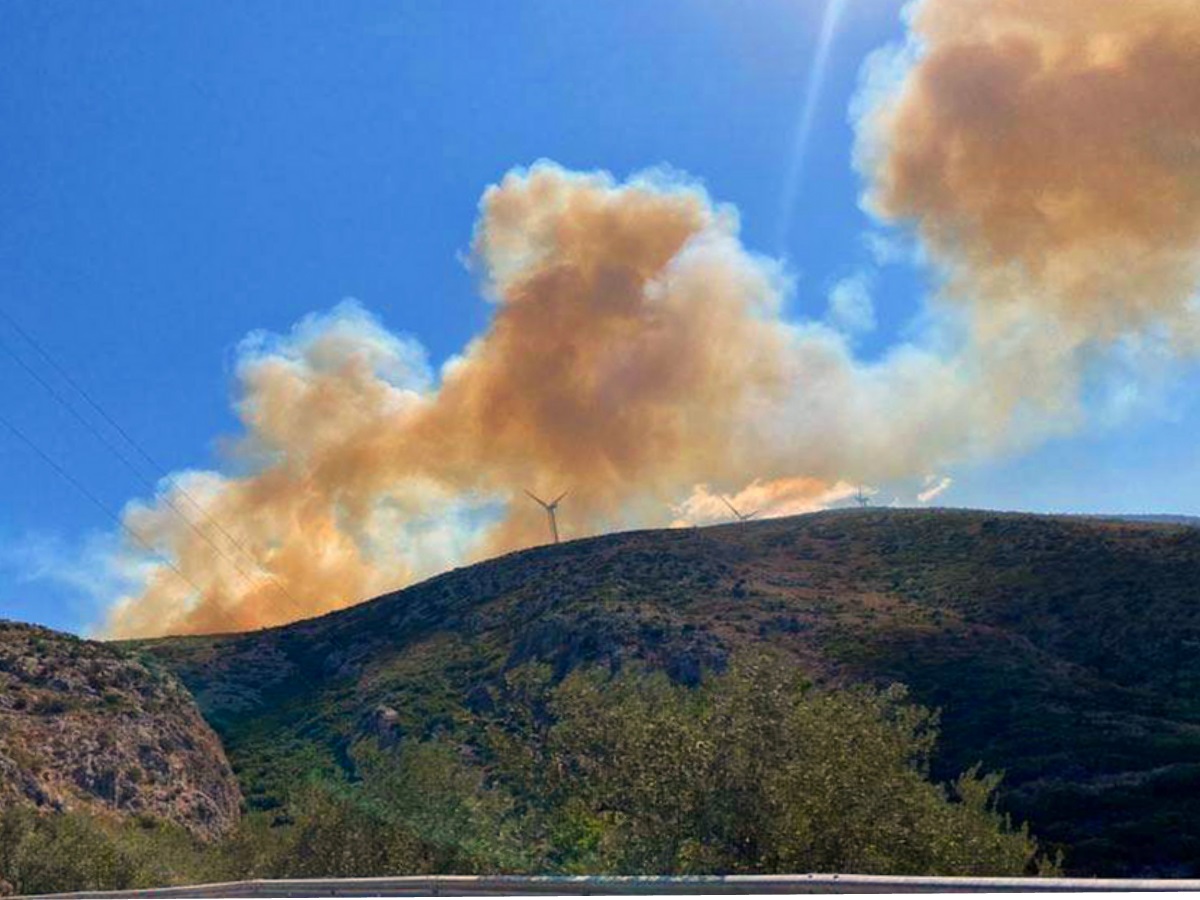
(1060, 649)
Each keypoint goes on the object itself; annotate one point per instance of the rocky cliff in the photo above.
(85, 726)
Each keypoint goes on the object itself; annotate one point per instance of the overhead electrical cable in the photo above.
(130, 465)
(96, 501)
(116, 451)
(116, 426)
(103, 507)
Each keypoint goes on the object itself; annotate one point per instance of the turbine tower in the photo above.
(733, 509)
(550, 508)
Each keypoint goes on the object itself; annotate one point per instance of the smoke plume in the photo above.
(1044, 152)
(636, 351)
(1048, 154)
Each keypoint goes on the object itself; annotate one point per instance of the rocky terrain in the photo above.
(1062, 651)
(84, 726)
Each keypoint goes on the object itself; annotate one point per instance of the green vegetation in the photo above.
(47, 853)
(1061, 651)
(751, 772)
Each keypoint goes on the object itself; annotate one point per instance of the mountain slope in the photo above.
(1061, 650)
(82, 726)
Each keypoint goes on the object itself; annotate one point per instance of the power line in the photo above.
(112, 448)
(66, 376)
(96, 501)
(113, 423)
(129, 464)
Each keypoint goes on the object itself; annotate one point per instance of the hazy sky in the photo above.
(176, 176)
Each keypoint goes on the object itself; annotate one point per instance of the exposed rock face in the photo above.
(86, 726)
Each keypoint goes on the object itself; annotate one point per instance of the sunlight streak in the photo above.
(834, 10)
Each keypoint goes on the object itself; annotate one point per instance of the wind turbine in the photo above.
(733, 509)
(550, 510)
(862, 499)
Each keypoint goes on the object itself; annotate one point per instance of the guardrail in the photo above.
(516, 885)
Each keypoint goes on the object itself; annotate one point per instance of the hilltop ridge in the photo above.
(1060, 650)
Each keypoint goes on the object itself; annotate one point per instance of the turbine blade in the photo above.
(559, 497)
(732, 508)
(749, 516)
(535, 498)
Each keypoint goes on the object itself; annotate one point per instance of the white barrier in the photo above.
(517, 885)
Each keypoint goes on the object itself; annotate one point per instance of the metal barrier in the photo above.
(516, 885)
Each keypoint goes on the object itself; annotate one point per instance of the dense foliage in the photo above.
(750, 772)
(42, 853)
(1059, 650)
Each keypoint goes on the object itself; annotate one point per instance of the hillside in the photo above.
(85, 727)
(1061, 650)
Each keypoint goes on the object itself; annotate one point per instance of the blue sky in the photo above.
(175, 176)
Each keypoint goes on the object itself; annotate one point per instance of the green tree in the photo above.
(751, 772)
(331, 831)
(72, 851)
(435, 789)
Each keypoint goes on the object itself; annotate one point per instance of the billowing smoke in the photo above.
(1046, 155)
(636, 352)
(781, 497)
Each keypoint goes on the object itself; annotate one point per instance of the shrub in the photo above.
(752, 772)
(50, 853)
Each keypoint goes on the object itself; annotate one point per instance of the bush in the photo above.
(59, 852)
(751, 772)
(330, 834)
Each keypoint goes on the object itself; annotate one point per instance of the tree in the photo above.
(754, 771)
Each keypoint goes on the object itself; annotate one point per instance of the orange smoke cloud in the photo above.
(1045, 153)
(762, 500)
(1048, 154)
(636, 350)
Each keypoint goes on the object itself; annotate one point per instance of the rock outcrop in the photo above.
(84, 725)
